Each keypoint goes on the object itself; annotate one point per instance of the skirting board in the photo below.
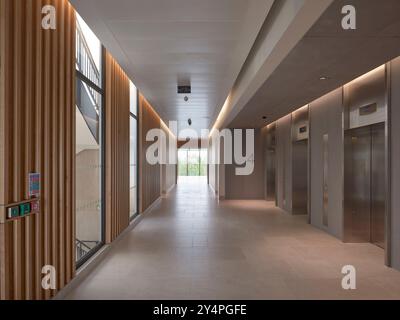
(170, 189)
(215, 194)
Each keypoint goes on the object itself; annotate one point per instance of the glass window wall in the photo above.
(192, 162)
(89, 143)
(133, 190)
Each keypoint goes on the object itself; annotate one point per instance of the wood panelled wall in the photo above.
(37, 108)
(149, 176)
(117, 149)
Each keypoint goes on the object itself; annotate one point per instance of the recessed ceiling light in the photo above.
(323, 78)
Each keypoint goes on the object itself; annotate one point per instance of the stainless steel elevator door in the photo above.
(325, 179)
(365, 185)
(361, 215)
(271, 174)
(378, 185)
(300, 177)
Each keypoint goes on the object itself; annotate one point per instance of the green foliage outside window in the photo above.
(192, 162)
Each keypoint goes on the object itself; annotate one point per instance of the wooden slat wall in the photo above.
(37, 125)
(149, 176)
(117, 149)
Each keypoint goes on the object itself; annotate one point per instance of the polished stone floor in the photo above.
(192, 247)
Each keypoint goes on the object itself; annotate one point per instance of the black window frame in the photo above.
(136, 117)
(79, 75)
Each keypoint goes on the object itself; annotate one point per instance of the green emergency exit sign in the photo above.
(24, 209)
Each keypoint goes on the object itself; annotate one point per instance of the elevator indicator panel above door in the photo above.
(369, 109)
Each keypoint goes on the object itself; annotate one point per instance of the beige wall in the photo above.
(326, 118)
(212, 169)
(284, 163)
(250, 186)
(395, 162)
(212, 179)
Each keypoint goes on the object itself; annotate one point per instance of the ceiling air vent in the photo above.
(184, 89)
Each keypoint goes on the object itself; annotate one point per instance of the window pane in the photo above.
(88, 52)
(133, 166)
(88, 176)
(133, 99)
(193, 163)
(203, 162)
(182, 162)
(88, 102)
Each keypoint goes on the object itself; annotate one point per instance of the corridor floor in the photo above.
(192, 247)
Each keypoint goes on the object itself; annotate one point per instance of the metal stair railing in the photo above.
(83, 247)
(86, 65)
(88, 99)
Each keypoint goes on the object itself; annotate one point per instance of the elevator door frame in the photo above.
(271, 174)
(270, 166)
(364, 135)
(378, 185)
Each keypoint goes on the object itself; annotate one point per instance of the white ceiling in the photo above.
(162, 43)
(326, 50)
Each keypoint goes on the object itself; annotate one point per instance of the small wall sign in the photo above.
(35, 205)
(13, 212)
(34, 184)
(24, 209)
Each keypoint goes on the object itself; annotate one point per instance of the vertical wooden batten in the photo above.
(37, 124)
(117, 149)
(150, 182)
